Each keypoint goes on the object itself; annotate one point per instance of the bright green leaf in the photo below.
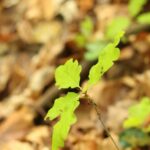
(138, 114)
(144, 18)
(118, 37)
(64, 108)
(116, 26)
(68, 75)
(106, 58)
(135, 6)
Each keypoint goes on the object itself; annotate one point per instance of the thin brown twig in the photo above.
(101, 120)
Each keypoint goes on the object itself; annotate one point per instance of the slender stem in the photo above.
(101, 121)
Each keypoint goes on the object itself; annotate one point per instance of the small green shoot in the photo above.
(68, 76)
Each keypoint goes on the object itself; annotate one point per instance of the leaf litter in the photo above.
(33, 38)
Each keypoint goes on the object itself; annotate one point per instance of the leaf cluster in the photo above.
(68, 76)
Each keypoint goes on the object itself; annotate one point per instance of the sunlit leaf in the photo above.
(106, 59)
(68, 75)
(64, 108)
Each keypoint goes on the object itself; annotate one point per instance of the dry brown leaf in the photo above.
(69, 10)
(143, 83)
(85, 5)
(5, 73)
(17, 124)
(39, 9)
(41, 32)
(48, 54)
(40, 79)
(12, 103)
(44, 32)
(24, 29)
(117, 114)
(105, 92)
(107, 143)
(39, 136)
(16, 145)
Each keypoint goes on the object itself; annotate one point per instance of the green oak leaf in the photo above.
(64, 108)
(135, 6)
(68, 75)
(138, 114)
(144, 18)
(106, 59)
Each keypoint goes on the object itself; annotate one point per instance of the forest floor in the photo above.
(38, 35)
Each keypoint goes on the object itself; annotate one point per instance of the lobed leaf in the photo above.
(64, 108)
(68, 75)
(106, 59)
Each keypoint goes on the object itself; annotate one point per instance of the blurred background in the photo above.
(38, 35)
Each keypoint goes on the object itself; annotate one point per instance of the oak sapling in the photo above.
(68, 76)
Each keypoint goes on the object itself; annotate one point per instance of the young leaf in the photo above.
(118, 37)
(135, 6)
(109, 54)
(63, 107)
(144, 18)
(138, 114)
(116, 26)
(68, 75)
(106, 59)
